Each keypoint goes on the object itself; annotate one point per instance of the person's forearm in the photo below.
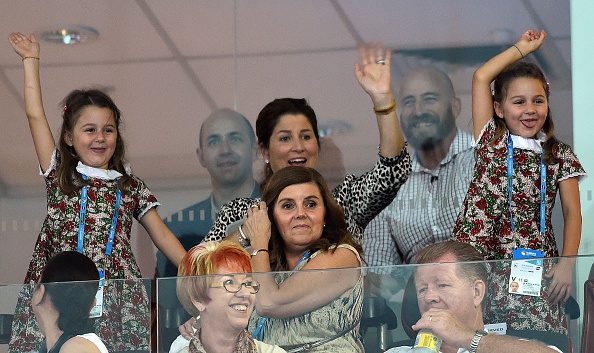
(268, 286)
(390, 132)
(489, 70)
(32, 89)
(572, 232)
(162, 237)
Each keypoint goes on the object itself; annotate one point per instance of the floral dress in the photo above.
(484, 221)
(125, 322)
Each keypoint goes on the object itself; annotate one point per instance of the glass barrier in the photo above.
(359, 309)
(122, 313)
(383, 311)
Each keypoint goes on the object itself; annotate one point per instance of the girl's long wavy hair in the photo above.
(334, 232)
(517, 70)
(75, 102)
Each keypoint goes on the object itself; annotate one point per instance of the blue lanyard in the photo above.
(83, 216)
(259, 331)
(543, 184)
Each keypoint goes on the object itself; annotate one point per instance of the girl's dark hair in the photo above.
(517, 70)
(334, 232)
(73, 301)
(270, 115)
(74, 103)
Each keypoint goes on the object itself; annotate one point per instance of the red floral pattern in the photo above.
(126, 314)
(522, 312)
(484, 222)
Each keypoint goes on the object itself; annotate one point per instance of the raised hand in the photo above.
(530, 41)
(373, 71)
(23, 45)
(445, 325)
(256, 226)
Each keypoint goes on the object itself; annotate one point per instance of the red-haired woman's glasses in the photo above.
(233, 286)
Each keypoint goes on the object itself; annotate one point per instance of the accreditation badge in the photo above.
(97, 309)
(526, 272)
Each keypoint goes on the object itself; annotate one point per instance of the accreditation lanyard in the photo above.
(83, 216)
(510, 177)
(259, 331)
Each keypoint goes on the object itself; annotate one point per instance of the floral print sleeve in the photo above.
(569, 165)
(144, 199)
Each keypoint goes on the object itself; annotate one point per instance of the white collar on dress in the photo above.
(526, 143)
(105, 174)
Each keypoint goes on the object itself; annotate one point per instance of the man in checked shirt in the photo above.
(427, 205)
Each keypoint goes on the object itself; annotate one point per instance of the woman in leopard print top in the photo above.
(287, 133)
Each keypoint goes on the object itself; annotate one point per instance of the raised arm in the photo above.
(28, 49)
(304, 291)
(482, 99)
(373, 74)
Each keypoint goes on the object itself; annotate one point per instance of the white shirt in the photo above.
(96, 340)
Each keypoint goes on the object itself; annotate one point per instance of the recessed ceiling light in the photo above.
(70, 35)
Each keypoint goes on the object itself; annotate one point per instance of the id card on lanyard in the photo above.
(97, 310)
(526, 275)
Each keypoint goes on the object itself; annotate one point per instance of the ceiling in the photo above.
(169, 64)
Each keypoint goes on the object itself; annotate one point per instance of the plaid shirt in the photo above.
(424, 210)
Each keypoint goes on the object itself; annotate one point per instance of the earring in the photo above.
(266, 161)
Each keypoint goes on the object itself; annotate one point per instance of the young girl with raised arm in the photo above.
(92, 198)
(520, 165)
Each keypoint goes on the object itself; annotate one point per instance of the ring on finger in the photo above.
(430, 317)
(380, 61)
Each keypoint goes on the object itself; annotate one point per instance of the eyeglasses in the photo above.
(232, 286)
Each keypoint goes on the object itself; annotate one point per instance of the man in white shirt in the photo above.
(451, 301)
(426, 207)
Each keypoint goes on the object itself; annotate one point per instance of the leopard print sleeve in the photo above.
(230, 212)
(364, 197)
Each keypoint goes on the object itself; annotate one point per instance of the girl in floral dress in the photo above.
(502, 210)
(92, 199)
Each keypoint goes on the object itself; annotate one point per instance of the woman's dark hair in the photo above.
(517, 70)
(270, 115)
(74, 104)
(334, 232)
(73, 301)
